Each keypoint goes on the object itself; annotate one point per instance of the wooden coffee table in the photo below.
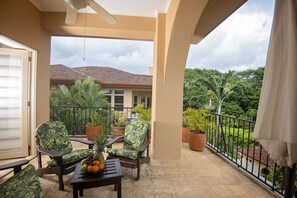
(111, 175)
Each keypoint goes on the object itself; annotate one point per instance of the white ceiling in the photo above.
(147, 8)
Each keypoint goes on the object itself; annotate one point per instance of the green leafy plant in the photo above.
(186, 117)
(99, 141)
(198, 120)
(120, 120)
(95, 120)
(145, 114)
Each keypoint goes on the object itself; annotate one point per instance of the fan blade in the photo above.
(102, 12)
(70, 16)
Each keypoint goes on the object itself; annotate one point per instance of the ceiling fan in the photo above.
(75, 5)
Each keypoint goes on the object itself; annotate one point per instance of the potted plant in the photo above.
(94, 126)
(198, 125)
(141, 112)
(119, 123)
(185, 123)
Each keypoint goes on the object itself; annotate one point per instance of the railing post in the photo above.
(290, 181)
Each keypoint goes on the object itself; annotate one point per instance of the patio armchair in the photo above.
(136, 142)
(24, 183)
(52, 140)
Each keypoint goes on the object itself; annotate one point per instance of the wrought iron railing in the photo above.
(232, 138)
(75, 118)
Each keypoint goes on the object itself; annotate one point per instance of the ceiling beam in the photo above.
(92, 25)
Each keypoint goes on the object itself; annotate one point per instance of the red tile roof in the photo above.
(102, 75)
(62, 72)
(256, 153)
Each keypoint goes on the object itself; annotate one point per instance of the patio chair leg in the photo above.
(138, 170)
(60, 176)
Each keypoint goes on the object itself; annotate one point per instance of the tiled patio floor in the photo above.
(197, 174)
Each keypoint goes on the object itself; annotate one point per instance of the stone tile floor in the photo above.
(197, 174)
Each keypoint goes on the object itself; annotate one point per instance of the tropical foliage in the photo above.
(95, 119)
(77, 105)
(84, 93)
(119, 119)
(145, 114)
(197, 120)
(230, 93)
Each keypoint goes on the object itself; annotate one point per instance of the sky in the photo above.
(239, 43)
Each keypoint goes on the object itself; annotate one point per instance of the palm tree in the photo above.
(78, 102)
(82, 94)
(221, 87)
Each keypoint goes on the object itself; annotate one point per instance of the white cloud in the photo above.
(238, 43)
(131, 56)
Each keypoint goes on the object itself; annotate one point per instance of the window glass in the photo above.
(118, 99)
(119, 92)
(149, 102)
(142, 100)
(108, 96)
(135, 99)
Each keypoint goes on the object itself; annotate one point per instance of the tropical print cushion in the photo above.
(23, 184)
(74, 156)
(132, 154)
(135, 133)
(54, 137)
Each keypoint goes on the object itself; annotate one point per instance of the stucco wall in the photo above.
(20, 21)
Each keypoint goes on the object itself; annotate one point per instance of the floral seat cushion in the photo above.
(54, 137)
(123, 152)
(135, 134)
(74, 156)
(23, 184)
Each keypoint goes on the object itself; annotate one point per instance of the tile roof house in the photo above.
(125, 89)
(262, 161)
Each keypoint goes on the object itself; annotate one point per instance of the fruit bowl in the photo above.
(92, 166)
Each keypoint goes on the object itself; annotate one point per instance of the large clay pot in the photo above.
(91, 131)
(117, 131)
(185, 132)
(197, 141)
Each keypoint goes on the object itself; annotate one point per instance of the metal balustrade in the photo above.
(232, 138)
(75, 118)
(229, 137)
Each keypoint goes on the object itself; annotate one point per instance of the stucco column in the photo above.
(174, 32)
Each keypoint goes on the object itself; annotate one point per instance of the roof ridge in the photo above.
(105, 75)
(108, 67)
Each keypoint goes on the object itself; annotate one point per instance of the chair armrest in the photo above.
(53, 154)
(17, 166)
(114, 140)
(84, 141)
(143, 146)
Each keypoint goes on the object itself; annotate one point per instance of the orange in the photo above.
(89, 169)
(101, 166)
(96, 163)
(95, 169)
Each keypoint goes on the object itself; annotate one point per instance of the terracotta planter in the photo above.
(185, 132)
(117, 131)
(197, 141)
(91, 131)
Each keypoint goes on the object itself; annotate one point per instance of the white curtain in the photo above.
(276, 125)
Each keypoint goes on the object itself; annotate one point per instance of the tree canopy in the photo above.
(84, 93)
(233, 93)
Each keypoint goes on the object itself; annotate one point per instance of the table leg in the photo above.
(75, 192)
(81, 192)
(119, 189)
